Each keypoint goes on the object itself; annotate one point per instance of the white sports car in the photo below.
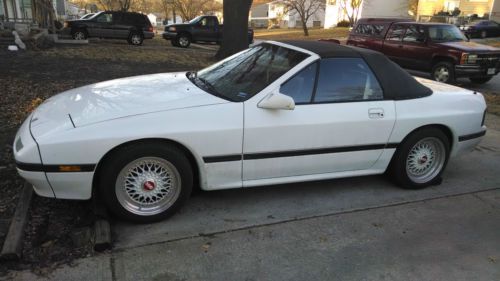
(278, 112)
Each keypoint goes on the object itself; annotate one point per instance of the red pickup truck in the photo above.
(440, 49)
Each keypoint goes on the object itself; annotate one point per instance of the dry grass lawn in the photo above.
(298, 34)
(493, 102)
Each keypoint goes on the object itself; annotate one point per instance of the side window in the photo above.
(204, 22)
(396, 32)
(346, 79)
(300, 87)
(369, 29)
(211, 22)
(414, 33)
(107, 17)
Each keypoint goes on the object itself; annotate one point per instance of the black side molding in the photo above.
(292, 153)
(471, 136)
(30, 167)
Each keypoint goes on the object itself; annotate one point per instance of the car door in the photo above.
(417, 54)
(103, 25)
(393, 43)
(340, 123)
(204, 29)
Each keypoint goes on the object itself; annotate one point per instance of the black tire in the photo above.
(398, 171)
(480, 80)
(183, 40)
(440, 69)
(135, 38)
(113, 166)
(79, 34)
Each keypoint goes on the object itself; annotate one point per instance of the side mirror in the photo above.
(277, 101)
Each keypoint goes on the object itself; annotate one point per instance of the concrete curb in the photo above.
(13, 244)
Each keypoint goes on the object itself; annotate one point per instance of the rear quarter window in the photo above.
(375, 30)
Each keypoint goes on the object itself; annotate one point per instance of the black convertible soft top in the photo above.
(396, 83)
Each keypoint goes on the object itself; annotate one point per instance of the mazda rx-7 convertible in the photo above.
(275, 113)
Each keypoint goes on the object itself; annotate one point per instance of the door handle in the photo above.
(376, 113)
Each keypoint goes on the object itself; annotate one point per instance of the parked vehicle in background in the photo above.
(199, 29)
(481, 29)
(133, 27)
(275, 113)
(440, 49)
(87, 16)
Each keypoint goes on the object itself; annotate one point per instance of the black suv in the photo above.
(133, 27)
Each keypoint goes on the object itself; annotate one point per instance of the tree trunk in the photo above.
(235, 31)
(304, 27)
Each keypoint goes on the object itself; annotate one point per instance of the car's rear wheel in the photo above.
(421, 159)
(444, 72)
(183, 40)
(79, 34)
(480, 80)
(135, 39)
(146, 183)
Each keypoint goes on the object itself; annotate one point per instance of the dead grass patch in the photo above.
(298, 34)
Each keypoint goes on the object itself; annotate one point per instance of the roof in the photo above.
(395, 81)
(324, 49)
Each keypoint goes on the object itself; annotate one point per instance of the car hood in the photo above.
(119, 98)
(469, 46)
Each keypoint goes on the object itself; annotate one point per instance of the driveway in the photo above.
(349, 229)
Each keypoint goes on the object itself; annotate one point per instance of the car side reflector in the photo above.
(70, 168)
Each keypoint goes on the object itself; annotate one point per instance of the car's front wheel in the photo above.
(183, 41)
(480, 80)
(79, 34)
(146, 182)
(444, 72)
(421, 159)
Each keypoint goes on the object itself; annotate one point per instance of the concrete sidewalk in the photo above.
(449, 238)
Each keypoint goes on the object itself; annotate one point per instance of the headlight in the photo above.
(468, 58)
(172, 28)
(471, 58)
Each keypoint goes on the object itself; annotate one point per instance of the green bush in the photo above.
(344, 23)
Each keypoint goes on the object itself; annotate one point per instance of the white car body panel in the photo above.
(169, 107)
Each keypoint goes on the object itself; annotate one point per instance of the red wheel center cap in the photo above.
(423, 159)
(149, 185)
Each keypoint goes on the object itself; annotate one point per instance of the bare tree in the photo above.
(305, 9)
(351, 9)
(235, 32)
(189, 9)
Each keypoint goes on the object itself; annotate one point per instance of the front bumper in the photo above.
(464, 70)
(167, 35)
(45, 180)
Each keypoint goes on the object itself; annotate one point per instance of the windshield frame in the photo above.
(193, 76)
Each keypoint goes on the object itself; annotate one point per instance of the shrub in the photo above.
(344, 23)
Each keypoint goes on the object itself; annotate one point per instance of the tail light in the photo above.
(150, 28)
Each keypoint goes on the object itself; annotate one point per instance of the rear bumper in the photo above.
(474, 71)
(148, 34)
(467, 142)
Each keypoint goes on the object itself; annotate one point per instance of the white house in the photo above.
(335, 13)
(279, 15)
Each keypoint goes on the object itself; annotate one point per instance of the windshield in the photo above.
(445, 33)
(246, 74)
(195, 19)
